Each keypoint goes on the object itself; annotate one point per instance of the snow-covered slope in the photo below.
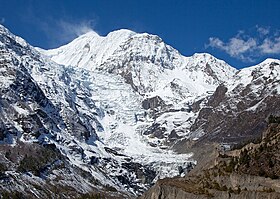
(157, 73)
(89, 50)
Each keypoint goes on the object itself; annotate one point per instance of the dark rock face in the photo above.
(218, 96)
(231, 126)
(128, 79)
(153, 103)
(195, 107)
(146, 174)
(155, 130)
(173, 135)
(208, 70)
(240, 113)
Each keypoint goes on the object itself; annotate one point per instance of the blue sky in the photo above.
(241, 32)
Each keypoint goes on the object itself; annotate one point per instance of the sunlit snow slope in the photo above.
(155, 73)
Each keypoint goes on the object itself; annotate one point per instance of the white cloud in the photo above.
(270, 46)
(236, 47)
(248, 48)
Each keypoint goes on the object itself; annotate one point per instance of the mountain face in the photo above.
(109, 114)
(237, 111)
(166, 83)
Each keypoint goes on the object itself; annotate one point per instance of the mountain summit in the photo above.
(144, 60)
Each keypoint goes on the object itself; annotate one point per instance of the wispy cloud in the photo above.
(55, 29)
(76, 28)
(236, 47)
(270, 46)
(62, 31)
(246, 47)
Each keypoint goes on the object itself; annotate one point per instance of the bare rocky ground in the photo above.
(252, 171)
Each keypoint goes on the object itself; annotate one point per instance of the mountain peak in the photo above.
(211, 65)
(127, 51)
(205, 57)
(122, 32)
(270, 60)
(90, 49)
(6, 33)
(116, 33)
(91, 33)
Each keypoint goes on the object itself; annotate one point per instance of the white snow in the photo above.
(20, 110)
(89, 50)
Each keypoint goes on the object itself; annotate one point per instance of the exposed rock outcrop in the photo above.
(153, 103)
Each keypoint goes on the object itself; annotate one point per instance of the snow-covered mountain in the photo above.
(162, 78)
(144, 60)
(85, 115)
(111, 110)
